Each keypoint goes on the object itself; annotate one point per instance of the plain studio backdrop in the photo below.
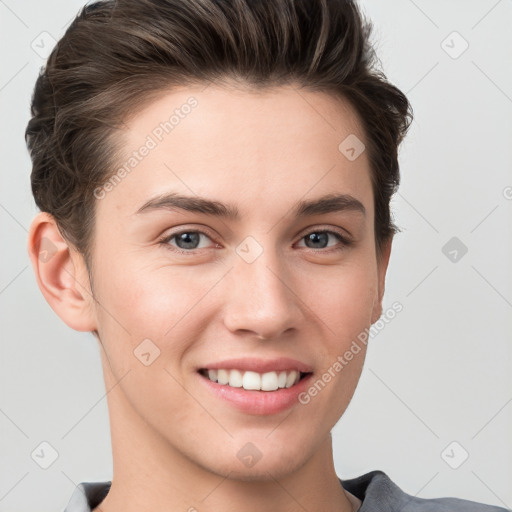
(433, 408)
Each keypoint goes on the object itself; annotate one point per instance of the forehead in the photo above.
(274, 145)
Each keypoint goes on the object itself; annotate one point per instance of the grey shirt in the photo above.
(375, 490)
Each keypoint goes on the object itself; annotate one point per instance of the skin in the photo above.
(174, 443)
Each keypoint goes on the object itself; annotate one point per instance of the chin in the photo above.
(268, 473)
(274, 465)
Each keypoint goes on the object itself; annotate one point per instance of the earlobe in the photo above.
(61, 274)
(382, 265)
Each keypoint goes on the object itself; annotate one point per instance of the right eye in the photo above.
(186, 241)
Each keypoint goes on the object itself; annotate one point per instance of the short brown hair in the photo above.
(117, 56)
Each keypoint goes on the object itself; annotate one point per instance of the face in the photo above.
(265, 279)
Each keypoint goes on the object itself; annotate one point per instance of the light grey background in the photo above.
(439, 372)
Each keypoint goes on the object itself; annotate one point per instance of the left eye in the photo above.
(322, 238)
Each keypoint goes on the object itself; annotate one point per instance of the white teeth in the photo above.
(291, 379)
(251, 380)
(269, 381)
(235, 379)
(223, 376)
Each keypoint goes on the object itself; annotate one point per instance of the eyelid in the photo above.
(343, 233)
(195, 228)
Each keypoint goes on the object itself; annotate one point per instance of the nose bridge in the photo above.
(260, 296)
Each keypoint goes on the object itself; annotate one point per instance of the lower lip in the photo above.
(258, 402)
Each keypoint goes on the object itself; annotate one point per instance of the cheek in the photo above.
(151, 311)
(344, 305)
(163, 304)
(344, 298)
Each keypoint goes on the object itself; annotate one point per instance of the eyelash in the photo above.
(164, 241)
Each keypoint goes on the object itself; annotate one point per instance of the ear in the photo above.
(61, 274)
(382, 265)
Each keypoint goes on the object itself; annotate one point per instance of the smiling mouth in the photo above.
(254, 381)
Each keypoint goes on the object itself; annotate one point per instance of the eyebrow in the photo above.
(322, 205)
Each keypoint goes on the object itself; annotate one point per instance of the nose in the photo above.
(262, 297)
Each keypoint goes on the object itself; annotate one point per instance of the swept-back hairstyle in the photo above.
(117, 56)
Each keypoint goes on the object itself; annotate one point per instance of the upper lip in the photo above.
(260, 365)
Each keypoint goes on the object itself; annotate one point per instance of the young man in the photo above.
(214, 181)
